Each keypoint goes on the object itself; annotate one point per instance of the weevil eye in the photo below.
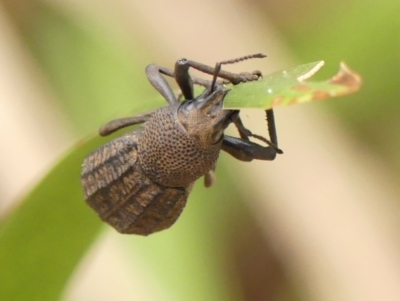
(187, 106)
(215, 110)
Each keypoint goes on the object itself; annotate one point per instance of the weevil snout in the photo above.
(204, 116)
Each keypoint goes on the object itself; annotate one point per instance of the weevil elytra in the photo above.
(139, 183)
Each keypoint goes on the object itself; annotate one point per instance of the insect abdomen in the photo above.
(118, 190)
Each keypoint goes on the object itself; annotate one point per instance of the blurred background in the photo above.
(321, 222)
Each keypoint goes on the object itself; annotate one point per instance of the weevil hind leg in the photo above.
(117, 124)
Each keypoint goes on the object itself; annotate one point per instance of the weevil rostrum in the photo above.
(139, 183)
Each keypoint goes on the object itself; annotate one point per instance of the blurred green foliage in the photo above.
(45, 238)
(364, 35)
(89, 70)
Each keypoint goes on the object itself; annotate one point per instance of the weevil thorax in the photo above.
(181, 142)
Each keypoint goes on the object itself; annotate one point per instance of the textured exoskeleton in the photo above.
(139, 183)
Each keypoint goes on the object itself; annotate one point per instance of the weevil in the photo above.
(139, 183)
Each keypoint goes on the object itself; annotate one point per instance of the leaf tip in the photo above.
(347, 77)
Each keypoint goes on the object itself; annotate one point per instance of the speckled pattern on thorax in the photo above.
(169, 155)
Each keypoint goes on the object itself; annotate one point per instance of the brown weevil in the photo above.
(139, 183)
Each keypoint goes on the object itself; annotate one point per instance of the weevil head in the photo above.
(204, 118)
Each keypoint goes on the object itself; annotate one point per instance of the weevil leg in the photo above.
(271, 126)
(185, 81)
(117, 124)
(234, 78)
(183, 78)
(196, 80)
(243, 131)
(204, 82)
(209, 179)
(244, 150)
(154, 75)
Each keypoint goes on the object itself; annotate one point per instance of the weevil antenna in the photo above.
(243, 58)
(232, 61)
(216, 72)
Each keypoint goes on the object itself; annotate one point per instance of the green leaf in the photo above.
(282, 88)
(290, 87)
(44, 238)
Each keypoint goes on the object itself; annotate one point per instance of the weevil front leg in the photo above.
(245, 134)
(245, 150)
(234, 78)
(183, 78)
(243, 131)
(185, 81)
